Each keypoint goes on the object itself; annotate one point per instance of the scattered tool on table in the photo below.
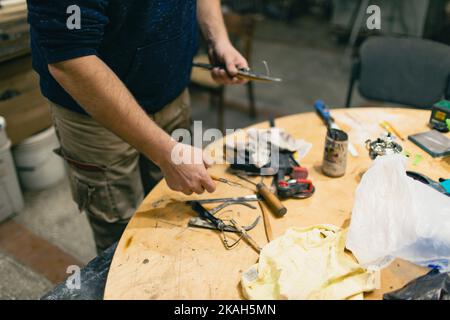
(292, 179)
(428, 181)
(325, 114)
(272, 201)
(243, 73)
(255, 158)
(445, 183)
(207, 219)
(382, 146)
(266, 219)
(440, 116)
(246, 236)
(249, 198)
(228, 182)
(391, 129)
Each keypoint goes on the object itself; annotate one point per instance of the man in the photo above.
(117, 87)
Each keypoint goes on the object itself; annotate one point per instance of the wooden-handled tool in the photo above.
(226, 181)
(266, 219)
(272, 200)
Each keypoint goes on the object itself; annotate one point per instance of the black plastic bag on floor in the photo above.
(432, 286)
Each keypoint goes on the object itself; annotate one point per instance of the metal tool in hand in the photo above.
(228, 182)
(208, 220)
(250, 198)
(243, 73)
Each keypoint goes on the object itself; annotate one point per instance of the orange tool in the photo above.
(391, 129)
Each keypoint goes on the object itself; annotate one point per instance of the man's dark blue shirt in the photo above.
(149, 44)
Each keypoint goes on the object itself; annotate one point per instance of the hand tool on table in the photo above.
(208, 220)
(249, 198)
(237, 200)
(325, 114)
(391, 129)
(291, 180)
(272, 201)
(266, 219)
(428, 181)
(228, 182)
(384, 145)
(243, 73)
(246, 236)
(445, 184)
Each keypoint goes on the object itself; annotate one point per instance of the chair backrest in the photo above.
(408, 71)
(241, 29)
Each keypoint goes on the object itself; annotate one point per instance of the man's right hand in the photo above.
(189, 176)
(115, 108)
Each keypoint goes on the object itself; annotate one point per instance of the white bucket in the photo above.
(11, 199)
(37, 165)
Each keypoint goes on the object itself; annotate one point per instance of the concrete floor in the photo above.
(304, 54)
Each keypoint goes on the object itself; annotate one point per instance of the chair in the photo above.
(406, 71)
(241, 30)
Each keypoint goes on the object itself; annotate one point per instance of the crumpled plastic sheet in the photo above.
(432, 286)
(396, 216)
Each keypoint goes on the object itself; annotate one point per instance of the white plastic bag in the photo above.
(396, 216)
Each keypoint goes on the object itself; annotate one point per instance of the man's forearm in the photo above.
(103, 95)
(211, 22)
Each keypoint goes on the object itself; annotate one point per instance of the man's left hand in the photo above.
(225, 53)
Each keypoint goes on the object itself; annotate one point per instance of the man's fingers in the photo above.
(208, 184)
(231, 69)
(221, 76)
(242, 63)
(198, 188)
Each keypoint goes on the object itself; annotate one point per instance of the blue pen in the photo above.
(324, 112)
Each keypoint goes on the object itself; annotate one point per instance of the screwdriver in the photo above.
(391, 129)
(272, 201)
(226, 181)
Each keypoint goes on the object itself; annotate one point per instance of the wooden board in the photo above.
(26, 115)
(13, 24)
(158, 257)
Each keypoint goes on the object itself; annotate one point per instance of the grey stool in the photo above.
(407, 71)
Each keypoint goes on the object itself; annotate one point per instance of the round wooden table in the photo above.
(159, 257)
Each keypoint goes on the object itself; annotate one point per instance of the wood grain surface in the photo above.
(159, 257)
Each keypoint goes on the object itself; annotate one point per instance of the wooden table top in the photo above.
(159, 257)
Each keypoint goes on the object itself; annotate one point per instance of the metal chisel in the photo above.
(235, 199)
(243, 73)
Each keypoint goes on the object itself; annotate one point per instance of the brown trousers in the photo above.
(108, 177)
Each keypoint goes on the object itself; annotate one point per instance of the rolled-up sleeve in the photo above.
(57, 42)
